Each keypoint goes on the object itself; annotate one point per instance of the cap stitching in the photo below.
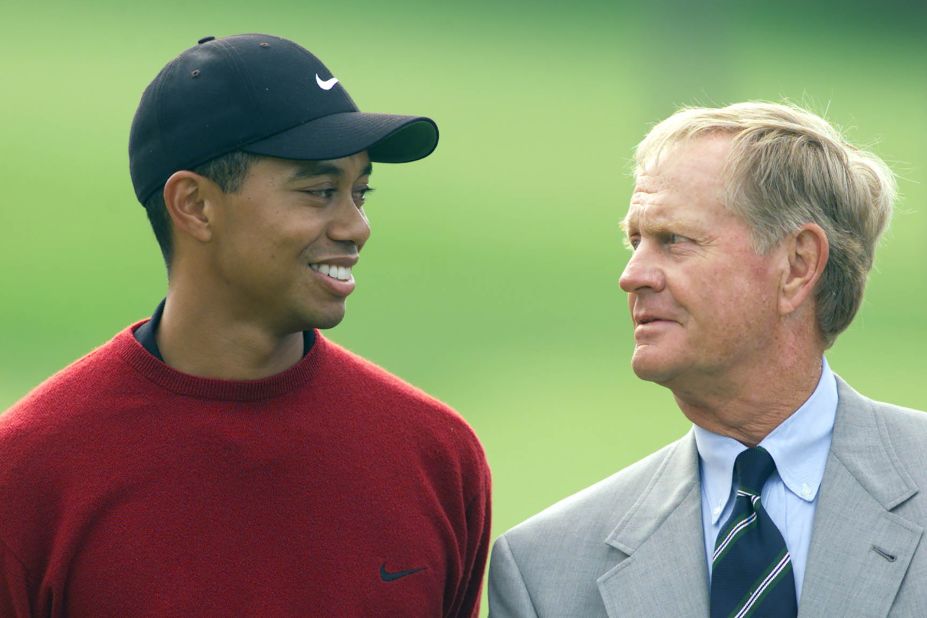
(229, 56)
(158, 144)
(238, 65)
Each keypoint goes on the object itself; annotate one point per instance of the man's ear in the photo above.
(807, 250)
(186, 198)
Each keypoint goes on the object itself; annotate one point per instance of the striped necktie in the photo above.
(751, 567)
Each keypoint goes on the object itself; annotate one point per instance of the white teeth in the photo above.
(341, 273)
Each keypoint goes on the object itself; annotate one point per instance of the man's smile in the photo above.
(336, 274)
(341, 273)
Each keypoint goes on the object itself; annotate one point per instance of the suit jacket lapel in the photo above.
(860, 550)
(664, 572)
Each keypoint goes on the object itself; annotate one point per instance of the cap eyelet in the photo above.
(264, 44)
(195, 73)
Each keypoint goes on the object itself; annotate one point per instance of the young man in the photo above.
(224, 458)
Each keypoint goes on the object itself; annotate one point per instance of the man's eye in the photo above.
(675, 239)
(632, 242)
(360, 195)
(325, 194)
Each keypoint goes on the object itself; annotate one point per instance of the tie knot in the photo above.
(752, 467)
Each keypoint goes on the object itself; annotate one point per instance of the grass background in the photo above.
(491, 277)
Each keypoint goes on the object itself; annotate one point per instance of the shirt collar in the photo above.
(146, 334)
(799, 446)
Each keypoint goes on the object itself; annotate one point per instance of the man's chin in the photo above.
(322, 319)
(326, 322)
(648, 367)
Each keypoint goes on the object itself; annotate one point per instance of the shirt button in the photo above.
(806, 490)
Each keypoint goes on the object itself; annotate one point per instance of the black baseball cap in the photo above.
(259, 94)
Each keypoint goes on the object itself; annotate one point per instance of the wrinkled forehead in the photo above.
(689, 176)
(655, 211)
(649, 185)
(646, 200)
(704, 155)
(667, 137)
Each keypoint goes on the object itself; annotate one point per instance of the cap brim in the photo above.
(387, 138)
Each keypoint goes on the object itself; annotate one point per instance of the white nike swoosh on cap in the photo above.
(326, 84)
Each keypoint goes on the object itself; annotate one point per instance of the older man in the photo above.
(752, 230)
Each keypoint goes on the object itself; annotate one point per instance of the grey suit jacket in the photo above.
(633, 544)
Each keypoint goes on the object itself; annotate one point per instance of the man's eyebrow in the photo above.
(313, 169)
(659, 222)
(629, 221)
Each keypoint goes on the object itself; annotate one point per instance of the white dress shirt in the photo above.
(799, 446)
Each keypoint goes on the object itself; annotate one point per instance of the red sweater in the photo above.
(331, 489)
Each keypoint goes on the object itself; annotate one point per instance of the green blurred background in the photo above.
(491, 278)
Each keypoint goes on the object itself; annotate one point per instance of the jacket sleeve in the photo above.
(508, 595)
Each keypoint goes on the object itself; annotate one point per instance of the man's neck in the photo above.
(207, 342)
(749, 407)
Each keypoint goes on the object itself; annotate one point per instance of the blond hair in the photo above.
(787, 167)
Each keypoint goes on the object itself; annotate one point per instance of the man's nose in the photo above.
(643, 270)
(350, 223)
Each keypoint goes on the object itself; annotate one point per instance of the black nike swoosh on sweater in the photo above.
(389, 576)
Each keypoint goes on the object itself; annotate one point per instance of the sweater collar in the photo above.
(146, 334)
(154, 370)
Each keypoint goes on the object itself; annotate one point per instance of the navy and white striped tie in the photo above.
(751, 566)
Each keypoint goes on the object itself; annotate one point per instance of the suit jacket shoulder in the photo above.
(595, 510)
(867, 555)
(905, 430)
(572, 559)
